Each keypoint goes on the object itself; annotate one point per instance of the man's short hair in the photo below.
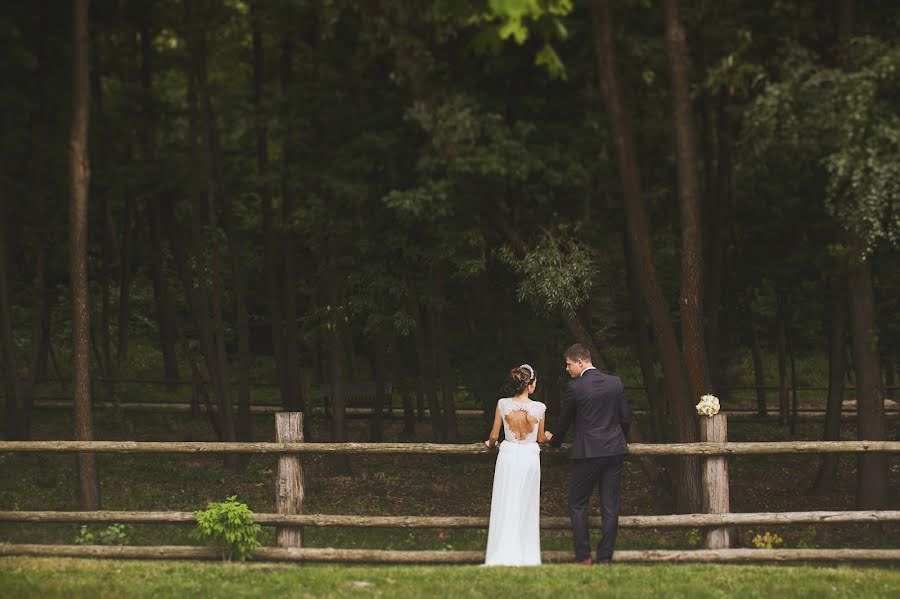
(577, 352)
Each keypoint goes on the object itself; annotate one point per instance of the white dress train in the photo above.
(514, 531)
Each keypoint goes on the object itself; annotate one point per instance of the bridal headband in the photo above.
(529, 369)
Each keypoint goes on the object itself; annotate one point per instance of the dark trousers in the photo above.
(587, 474)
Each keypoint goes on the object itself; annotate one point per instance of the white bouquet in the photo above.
(708, 406)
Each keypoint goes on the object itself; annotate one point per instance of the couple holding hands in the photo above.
(595, 402)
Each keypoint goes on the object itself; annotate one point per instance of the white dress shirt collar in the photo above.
(586, 369)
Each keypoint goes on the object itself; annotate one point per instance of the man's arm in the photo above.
(565, 419)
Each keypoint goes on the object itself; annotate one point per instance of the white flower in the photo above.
(708, 406)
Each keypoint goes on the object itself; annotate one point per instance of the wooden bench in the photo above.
(359, 397)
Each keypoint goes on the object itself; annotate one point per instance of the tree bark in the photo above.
(426, 365)
(689, 204)
(14, 428)
(758, 376)
(688, 490)
(79, 177)
(719, 167)
(40, 338)
(442, 354)
(872, 470)
(335, 326)
(837, 366)
(646, 355)
(125, 276)
(165, 306)
(781, 348)
(291, 337)
(378, 351)
(270, 245)
(207, 298)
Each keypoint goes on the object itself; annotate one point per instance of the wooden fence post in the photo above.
(714, 429)
(289, 489)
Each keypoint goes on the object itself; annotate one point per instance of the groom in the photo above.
(596, 402)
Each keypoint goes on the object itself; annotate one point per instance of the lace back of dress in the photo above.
(520, 419)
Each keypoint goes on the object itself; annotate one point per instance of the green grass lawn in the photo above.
(73, 578)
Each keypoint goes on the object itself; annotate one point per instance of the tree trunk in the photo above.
(719, 167)
(872, 471)
(688, 490)
(642, 334)
(105, 358)
(14, 411)
(758, 376)
(781, 345)
(206, 301)
(80, 174)
(40, 338)
(165, 306)
(270, 247)
(442, 354)
(425, 360)
(837, 366)
(125, 257)
(291, 337)
(793, 363)
(335, 326)
(378, 351)
(689, 203)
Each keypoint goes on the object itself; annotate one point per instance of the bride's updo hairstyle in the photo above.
(519, 378)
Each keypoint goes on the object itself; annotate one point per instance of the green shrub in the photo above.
(767, 540)
(229, 525)
(114, 534)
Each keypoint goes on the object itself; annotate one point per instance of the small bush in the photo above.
(114, 534)
(767, 540)
(694, 537)
(229, 525)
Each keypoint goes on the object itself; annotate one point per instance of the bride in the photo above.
(514, 531)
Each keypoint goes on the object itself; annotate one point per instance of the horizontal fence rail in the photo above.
(316, 554)
(729, 448)
(547, 522)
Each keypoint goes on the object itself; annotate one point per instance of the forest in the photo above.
(369, 211)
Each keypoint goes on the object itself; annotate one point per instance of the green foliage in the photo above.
(841, 131)
(558, 273)
(114, 534)
(517, 18)
(229, 525)
(767, 540)
(694, 537)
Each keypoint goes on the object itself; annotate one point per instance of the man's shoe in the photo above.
(604, 562)
(585, 562)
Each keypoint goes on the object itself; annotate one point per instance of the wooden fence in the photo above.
(290, 493)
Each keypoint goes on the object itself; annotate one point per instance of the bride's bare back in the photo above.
(520, 423)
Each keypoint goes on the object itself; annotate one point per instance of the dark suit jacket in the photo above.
(596, 402)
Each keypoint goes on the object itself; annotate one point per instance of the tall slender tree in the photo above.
(689, 203)
(687, 489)
(79, 178)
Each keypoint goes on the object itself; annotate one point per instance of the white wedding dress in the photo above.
(514, 532)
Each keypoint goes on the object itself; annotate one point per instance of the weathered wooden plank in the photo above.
(547, 522)
(327, 554)
(289, 491)
(714, 429)
(437, 448)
